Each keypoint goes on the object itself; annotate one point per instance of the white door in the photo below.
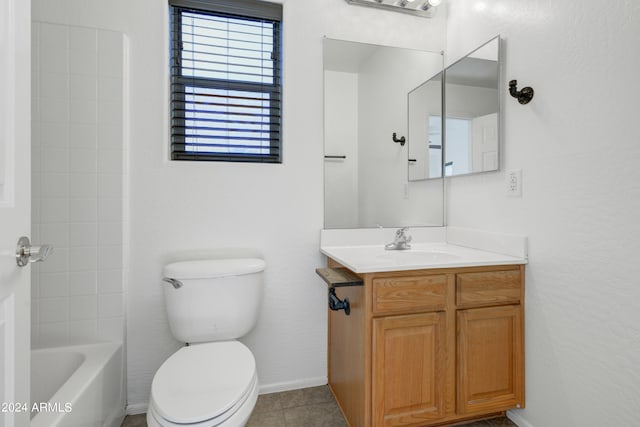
(15, 209)
(485, 142)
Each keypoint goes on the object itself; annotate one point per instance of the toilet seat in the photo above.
(205, 385)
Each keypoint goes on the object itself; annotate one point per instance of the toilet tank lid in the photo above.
(212, 268)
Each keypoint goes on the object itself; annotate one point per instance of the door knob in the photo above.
(26, 253)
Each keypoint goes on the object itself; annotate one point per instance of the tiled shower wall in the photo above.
(78, 177)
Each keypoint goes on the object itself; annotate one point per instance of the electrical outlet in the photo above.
(514, 183)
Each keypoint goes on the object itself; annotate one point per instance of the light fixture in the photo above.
(424, 8)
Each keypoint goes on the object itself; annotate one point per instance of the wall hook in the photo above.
(401, 140)
(523, 96)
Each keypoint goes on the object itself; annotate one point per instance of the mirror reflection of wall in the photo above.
(472, 111)
(365, 173)
(425, 130)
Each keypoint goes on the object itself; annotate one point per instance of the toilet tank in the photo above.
(219, 299)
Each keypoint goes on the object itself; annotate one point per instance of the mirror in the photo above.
(425, 130)
(365, 171)
(472, 112)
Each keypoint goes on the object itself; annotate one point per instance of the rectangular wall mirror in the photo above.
(365, 171)
(472, 111)
(470, 142)
(425, 130)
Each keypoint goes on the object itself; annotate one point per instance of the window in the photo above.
(225, 80)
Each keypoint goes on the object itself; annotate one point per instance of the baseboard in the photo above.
(292, 385)
(138, 408)
(517, 419)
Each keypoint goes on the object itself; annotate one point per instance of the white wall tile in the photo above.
(35, 335)
(110, 136)
(56, 234)
(35, 131)
(53, 334)
(83, 259)
(54, 135)
(57, 261)
(35, 283)
(66, 93)
(110, 209)
(53, 85)
(110, 111)
(83, 331)
(110, 161)
(81, 62)
(54, 110)
(111, 329)
(110, 233)
(54, 210)
(83, 135)
(35, 47)
(56, 160)
(53, 37)
(35, 312)
(109, 186)
(83, 234)
(83, 160)
(110, 49)
(83, 39)
(110, 89)
(109, 281)
(83, 283)
(54, 60)
(54, 310)
(54, 285)
(54, 185)
(82, 307)
(110, 258)
(83, 185)
(83, 111)
(110, 305)
(83, 87)
(83, 210)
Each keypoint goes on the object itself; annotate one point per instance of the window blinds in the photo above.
(225, 85)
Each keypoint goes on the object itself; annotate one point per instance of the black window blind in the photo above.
(225, 83)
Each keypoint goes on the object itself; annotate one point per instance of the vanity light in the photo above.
(424, 8)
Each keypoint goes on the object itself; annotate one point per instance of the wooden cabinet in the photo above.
(429, 347)
(490, 359)
(409, 364)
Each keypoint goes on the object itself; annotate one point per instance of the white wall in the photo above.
(77, 183)
(577, 143)
(278, 209)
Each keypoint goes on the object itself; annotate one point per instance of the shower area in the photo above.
(79, 181)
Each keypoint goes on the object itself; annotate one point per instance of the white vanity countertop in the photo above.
(364, 256)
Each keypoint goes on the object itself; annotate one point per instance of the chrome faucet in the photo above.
(400, 242)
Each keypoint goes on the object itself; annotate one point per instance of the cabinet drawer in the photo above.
(409, 294)
(488, 288)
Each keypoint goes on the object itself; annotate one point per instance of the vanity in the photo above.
(434, 335)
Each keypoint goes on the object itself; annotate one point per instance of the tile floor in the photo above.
(307, 407)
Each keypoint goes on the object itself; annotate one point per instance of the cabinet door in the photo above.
(490, 359)
(408, 369)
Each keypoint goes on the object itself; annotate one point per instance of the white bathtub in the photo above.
(77, 386)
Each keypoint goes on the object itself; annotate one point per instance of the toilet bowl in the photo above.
(212, 381)
(212, 384)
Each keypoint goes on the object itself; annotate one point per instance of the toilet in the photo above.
(212, 381)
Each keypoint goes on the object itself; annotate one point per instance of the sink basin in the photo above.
(374, 258)
(418, 256)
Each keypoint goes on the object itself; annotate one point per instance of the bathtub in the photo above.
(78, 385)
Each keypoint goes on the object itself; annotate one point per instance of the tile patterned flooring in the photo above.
(307, 407)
